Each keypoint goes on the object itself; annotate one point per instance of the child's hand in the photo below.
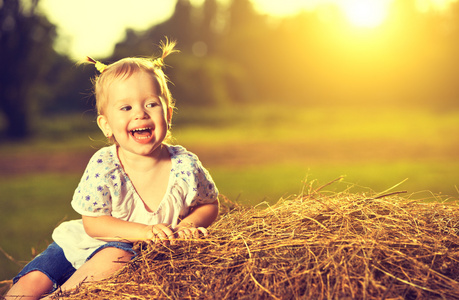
(187, 230)
(162, 233)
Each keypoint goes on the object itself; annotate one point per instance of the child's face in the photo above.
(135, 114)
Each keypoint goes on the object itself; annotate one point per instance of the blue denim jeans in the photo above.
(52, 262)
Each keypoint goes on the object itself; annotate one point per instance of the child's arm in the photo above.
(199, 218)
(108, 228)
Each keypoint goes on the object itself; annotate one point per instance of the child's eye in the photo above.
(153, 104)
(125, 108)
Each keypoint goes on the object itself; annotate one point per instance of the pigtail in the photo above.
(99, 66)
(167, 48)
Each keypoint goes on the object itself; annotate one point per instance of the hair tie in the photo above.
(99, 66)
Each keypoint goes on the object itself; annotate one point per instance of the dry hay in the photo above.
(315, 246)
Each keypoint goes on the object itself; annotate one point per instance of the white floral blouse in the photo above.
(105, 189)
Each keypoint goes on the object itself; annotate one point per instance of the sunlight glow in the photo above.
(365, 13)
(285, 7)
(291, 7)
(360, 13)
(436, 5)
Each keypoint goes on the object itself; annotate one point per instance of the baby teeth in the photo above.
(141, 129)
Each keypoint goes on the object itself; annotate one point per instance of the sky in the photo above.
(93, 27)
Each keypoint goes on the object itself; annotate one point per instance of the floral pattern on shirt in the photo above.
(104, 181)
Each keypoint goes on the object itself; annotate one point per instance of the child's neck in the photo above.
(149, 175)
(140, 163)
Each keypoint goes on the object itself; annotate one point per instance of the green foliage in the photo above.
(26, 40)
(207, 82)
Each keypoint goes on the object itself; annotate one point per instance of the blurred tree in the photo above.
(179, 27)
(26, 40)
(68, 88)
(201, 75)
(209, 25)
(251, 44)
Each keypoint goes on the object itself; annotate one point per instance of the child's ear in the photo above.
(170, 111)
(103, 125)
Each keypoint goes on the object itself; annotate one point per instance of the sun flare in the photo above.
(365, 13)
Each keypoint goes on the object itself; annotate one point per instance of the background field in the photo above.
(255, 153)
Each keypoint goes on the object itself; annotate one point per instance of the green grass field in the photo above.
(264, 153)
(254, 154)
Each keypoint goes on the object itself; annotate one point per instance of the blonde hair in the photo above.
(125, 67)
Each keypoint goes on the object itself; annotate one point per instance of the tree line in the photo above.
(230, 53)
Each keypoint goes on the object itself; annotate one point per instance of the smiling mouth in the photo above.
(141, 133)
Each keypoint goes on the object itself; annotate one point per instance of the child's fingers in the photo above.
(192, 232)
(203, 231)
(163, 233)
(181, 234)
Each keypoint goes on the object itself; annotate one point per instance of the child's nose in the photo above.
(140, 113)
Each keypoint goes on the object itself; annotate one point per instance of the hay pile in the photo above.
(317, 246)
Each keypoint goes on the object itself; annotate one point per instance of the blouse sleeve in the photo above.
(202, 188)
(92, 196)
